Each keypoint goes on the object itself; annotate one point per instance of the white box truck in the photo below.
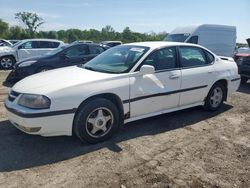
(220, 39)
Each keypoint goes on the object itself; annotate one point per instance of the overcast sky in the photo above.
(139, 15)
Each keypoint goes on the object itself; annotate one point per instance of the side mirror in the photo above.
(147, 69)
(20, 47)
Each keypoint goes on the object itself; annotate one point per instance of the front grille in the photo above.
(13, 95)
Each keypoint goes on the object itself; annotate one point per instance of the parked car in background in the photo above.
(9, 55)
(73, 54)
(83, 41)
(111, 43)
(220, 39)
(242, 58)
(123, 84)
(14, 41)
(5, 43)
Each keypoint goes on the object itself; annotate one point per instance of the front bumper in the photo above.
(18, 74)
(40, 122)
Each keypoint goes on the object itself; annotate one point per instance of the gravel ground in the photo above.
(190, 148)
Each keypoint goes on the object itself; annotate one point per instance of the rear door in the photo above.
(197, 74)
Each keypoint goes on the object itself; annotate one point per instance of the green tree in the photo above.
(3, 28)
(31, 20)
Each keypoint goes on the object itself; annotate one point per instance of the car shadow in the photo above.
(244, 88)
(20, 151)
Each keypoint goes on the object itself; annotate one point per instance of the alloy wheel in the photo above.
(6, 62)
(99, 122)
(216, 97)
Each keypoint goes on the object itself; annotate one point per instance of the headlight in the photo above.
(34, 101)
(26, 63)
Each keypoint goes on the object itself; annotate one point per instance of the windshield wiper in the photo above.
(88, 67)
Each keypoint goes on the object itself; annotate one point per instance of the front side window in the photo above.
(192, 56)
(29, 45)
(77, 51)
(119, 59)
(95, 49)
(162, 59)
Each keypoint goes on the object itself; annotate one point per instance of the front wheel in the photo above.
(96, 121)
(7, 62)
(215, 97)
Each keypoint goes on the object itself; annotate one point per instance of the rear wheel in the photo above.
(96, 121)
(7, 62)
(215, 97)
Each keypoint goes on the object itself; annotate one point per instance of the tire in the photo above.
(7, 62)
(244, 80)
(43, 69)
(215, 97)
(96, 121)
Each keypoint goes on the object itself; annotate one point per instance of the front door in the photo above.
(153, 93)
(76, 55)
(28, 49)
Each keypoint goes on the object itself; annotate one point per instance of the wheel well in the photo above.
(109, 96)
(224, 82)
(9, 56)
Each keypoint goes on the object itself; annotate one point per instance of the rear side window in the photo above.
(193, 40)
(95, 49)
(48, 44)
(209, 56)
(44, 44)
(192, 56)
(54, 44)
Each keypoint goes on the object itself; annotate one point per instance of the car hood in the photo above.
(54, 80)
(6, 49)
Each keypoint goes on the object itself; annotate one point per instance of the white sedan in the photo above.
(125, 83)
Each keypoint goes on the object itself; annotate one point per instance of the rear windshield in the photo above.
(176, 37)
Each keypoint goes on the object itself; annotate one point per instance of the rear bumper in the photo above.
(233, 85)
(244, 71)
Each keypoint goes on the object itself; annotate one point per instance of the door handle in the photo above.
(210, 72)
(174, 76)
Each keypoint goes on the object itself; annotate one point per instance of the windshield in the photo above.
(55, 51)
(119, 59)
(16, 44)
(176, 37)
(243, 50)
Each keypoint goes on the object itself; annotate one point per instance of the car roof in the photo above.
(159, 44)
(37, 39)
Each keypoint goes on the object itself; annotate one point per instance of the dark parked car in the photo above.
(242, 58)
(111, 43)
(72, 54)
